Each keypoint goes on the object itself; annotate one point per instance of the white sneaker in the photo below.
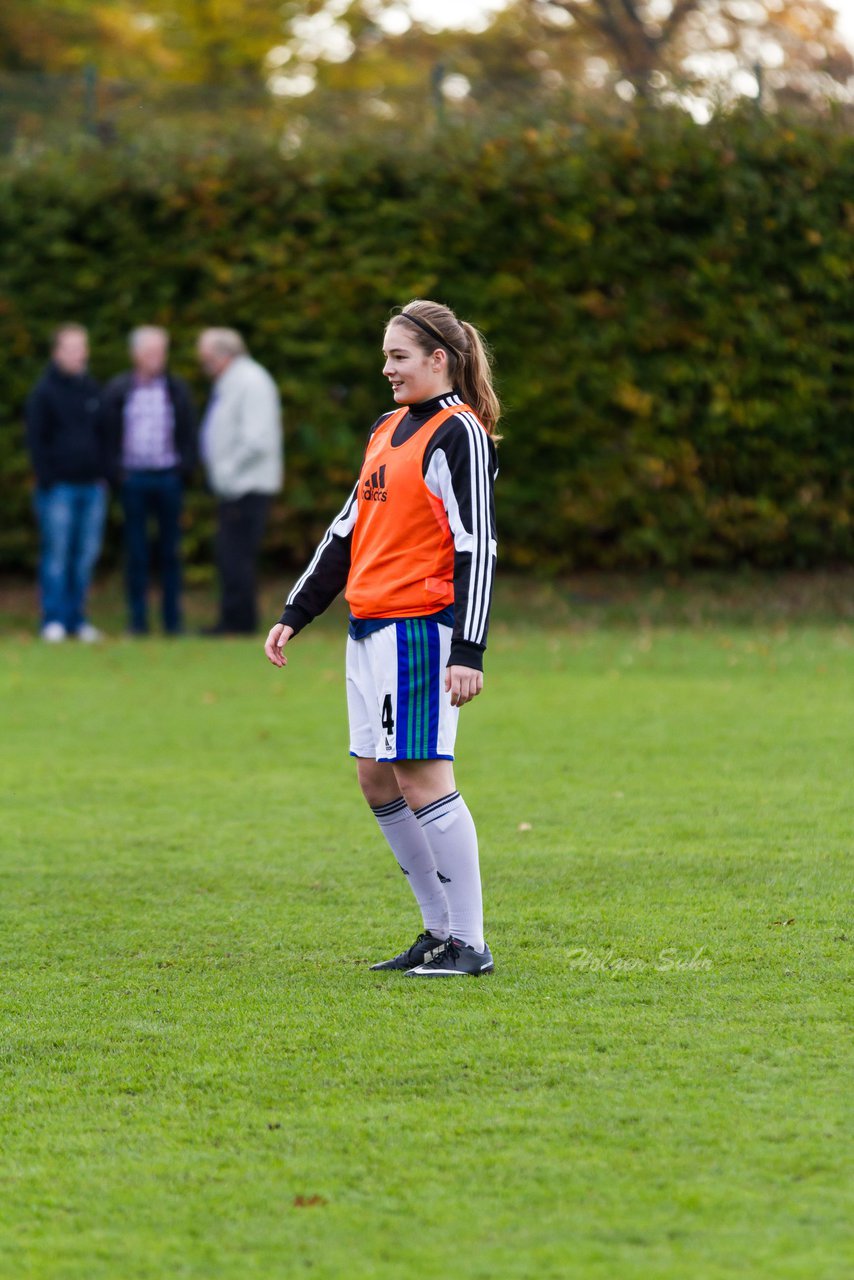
(53, 633)
(88, 634)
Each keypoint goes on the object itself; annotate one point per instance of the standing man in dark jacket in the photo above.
(151, 440)
(66, 447)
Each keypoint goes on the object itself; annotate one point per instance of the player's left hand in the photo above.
(463, 684)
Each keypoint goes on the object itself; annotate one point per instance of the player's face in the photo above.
(413, 375)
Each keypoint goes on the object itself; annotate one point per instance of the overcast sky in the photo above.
(461, 13)
(846, 18)
(453, 13)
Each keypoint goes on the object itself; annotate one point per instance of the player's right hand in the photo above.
(275, 644)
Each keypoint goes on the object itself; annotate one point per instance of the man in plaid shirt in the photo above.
(151, 435)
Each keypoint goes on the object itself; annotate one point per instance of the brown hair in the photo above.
(469, 363)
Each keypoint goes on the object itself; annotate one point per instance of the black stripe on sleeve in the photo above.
(327, 573)
(461, 464)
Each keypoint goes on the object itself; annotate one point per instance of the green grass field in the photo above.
(202, 1079)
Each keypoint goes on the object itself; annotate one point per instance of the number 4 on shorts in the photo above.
(387, 717)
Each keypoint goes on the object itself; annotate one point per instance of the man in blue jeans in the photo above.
(150, 426)
(65, 440)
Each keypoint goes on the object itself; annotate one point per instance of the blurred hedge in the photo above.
(669, 306)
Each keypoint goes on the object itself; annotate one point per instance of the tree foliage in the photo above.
(669, 307)
(662, 49)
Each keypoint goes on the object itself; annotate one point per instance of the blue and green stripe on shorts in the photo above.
(420, 680)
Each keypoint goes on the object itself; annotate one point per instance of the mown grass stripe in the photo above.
(700, 820)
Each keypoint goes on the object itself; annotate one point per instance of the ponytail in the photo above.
(474, 378)
(469, 363)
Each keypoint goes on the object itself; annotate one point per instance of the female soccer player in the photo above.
(415, 548)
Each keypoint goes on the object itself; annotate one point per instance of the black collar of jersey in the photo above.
(417, 415)
(427, 408)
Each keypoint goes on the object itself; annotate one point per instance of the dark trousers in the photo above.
(158, 495)
(240, 528)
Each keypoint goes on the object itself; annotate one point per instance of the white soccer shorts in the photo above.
(396, 697)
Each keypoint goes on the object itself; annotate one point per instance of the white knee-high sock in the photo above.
(415, 859)
(450, 833)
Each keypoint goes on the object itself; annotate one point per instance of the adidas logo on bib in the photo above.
(374, 489)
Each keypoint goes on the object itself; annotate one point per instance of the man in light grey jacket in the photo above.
(241, 448)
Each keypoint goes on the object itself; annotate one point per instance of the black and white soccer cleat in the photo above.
(455, 959)
(423, 948)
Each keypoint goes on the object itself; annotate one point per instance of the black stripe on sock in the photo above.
(386, 810)
(428, 809)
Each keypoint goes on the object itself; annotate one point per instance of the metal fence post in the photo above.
(437, 79)
(758, 71)
(90, 98)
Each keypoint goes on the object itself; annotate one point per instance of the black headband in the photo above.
(430, 331)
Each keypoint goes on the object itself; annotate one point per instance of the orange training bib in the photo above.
(402, 561)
